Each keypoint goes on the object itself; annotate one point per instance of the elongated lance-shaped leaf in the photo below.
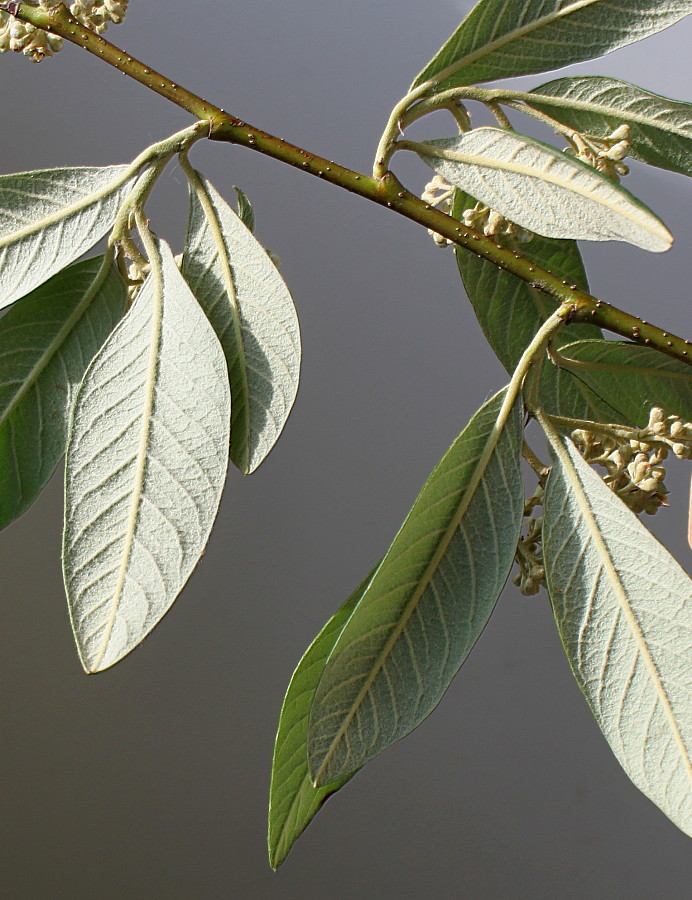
(252, 312)
(623, 607)
(293, 801)
(146, 464)
(660, 128)
(48, 219)
(542, 189)
(510, 313)
(506, 38)
(634, 378)
(428, 601)
(46, 343)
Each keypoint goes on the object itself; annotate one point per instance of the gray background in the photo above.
(150, 780)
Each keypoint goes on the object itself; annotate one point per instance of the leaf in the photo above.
(623, 608)
(661, 129)
(510, 313)
(634, 378)
(146, 464)
(428, 601)
(251, 310)
(506, 38)
(542, 189)
(48, 219)
(293, 801)
(46, 343)
(246, 213)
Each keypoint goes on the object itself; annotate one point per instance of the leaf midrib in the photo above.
(66, 212)
(590, 106)
(487, 49)
(617, 587)
(52, 350)
(484, 162)
(140, 464)
(426, 578)
(227, 274)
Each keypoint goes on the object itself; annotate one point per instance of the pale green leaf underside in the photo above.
(634, 378)
(510, 313)
(251, 310)
(428, 602)
(506, 38)
(46, 343)
(542, 189)
(293, 801)
(146, 464)
(49, 218)
(623, 607)
(660, 128)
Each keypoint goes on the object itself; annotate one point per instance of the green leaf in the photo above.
(251, 310)
(146, 464)
(48, 219)
(542, 189)
(293, 801)
(46, 343)
(661, 129)
(510, 313)
(246, 213)
(634, 378)
(428, 601)
(623, 607)
(506, 38)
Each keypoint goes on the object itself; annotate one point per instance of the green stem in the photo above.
(384, 190)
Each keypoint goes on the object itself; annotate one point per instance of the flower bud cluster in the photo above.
(440, 194)
(529, 554)
(633, 463)
(493, 224)
(98, 15)
(604, 154)
(37, 44)
(21, 37)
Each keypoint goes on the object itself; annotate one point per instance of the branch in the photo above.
(386, 191)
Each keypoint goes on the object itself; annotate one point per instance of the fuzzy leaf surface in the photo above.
(251, 310)
(49, 218)
(510, 312)
(506, 38)
(146, 465)
(428, 601)
(623, 607)
(46, 343)
(634, 378)
(661, 129)
(542, 189)
(293, 801)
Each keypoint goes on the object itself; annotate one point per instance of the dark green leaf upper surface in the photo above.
(632, 377)
(660, 128)
(46, 342)
(293, 801)
(623, 607)
(428, 601)
(146, 466)
(505, 38)
(510, 313)
(49, 218)
(252, 312)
